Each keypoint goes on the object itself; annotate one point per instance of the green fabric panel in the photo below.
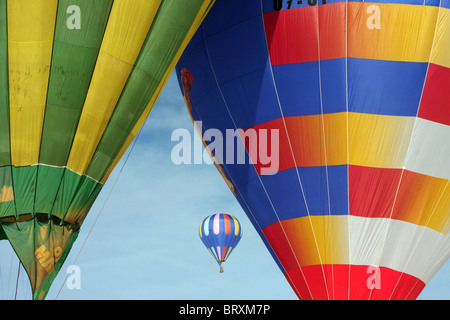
(163, 42)
(48, 181)
(59, 191)
(5, 156)
(7, 205)
(82, 200)
(75, 53)
(69, 184)
(24, 181)
(74, 195)
(42, 248)
(60, 242)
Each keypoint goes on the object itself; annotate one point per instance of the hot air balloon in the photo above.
(355, 200)
(220, 233)
(77, 80)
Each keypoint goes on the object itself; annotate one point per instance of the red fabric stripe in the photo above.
(323, 282)
(292, 35)
(372, 191)
(227, 224)
(224, 251)
(435, 104)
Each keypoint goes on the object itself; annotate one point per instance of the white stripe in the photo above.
(429, 152)
(402, 246)
(64, 167)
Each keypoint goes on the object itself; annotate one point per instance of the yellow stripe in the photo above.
(228, 253)
(236, 226)
(406, 32)
(423, 200)
(31, 26)
(318, 239)
(198, 20)
(440, 217)
(441, 46)
(334, 127)
(200, 228)
(125, 34)
(212, 254)
(379, 140)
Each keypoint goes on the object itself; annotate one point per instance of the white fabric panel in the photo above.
(429, 151)
(402, 246)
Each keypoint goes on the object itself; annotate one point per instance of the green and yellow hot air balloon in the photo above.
(77, 80)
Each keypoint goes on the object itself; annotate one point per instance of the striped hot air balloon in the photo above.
(220, 233)
(357, 202)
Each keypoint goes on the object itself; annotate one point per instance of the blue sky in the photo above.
(145, 243)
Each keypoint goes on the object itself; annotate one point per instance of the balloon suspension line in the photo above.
(17, 282)
(104, 203)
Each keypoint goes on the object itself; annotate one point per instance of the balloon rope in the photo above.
(17, 282)
(104, 203)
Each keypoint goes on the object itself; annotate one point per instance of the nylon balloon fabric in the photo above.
(220, 233)
(77, 80)
(352, 100)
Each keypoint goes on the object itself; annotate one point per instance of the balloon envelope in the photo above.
(344, 114)
(220, 233)
(77, 80)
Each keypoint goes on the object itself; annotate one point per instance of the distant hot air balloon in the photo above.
(77, 80)
(220, 233)
(356, 201)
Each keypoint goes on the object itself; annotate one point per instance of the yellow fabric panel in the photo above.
(6, 194)
(423, 200)
(125, 34)
(315, 140)
(335, 125)
(198, 20)
(400, 36)
(31, 25)
(378, 140)
(128, 25)
(228, 252)
(441, 46)
(440, 218)
(318, 239)
(236, 226)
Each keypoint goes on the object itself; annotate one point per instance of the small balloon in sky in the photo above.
(220, 233)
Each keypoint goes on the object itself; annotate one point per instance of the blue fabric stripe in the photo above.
(299, 91)
(385, 87)
(375, 86)
(286, 197)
